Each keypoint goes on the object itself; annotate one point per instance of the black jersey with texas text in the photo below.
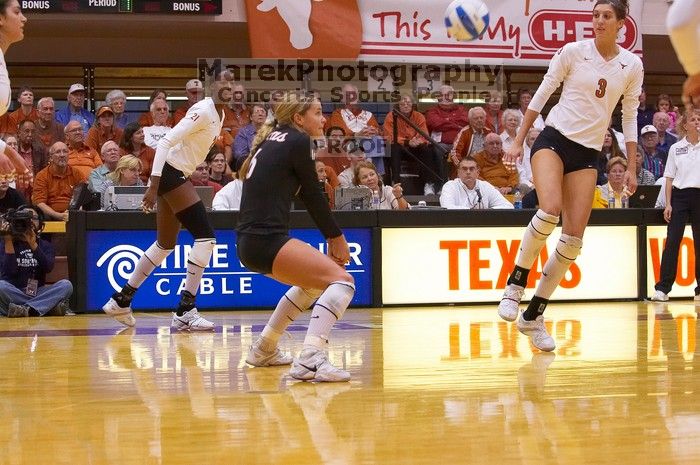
(281, 169)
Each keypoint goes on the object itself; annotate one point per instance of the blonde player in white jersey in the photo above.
(595, 74)
(179, 152)
(683, 23)
(12, 22)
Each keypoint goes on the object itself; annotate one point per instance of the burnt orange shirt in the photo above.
(97, 136)
(56, 190)
(234, 119)
(495, 173)
(19, 115)
(336, 119)
(84, 160)
(8, 125)
(49, 135)
(405, 132)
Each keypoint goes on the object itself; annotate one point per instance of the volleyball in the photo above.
(466, 19)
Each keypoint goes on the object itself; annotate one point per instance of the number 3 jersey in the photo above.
(281, 168)
(592, 89)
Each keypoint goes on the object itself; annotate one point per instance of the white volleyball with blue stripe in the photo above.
(466, 19)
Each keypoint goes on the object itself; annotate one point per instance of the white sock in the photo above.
(536, 234)
(568, 248)
(329, 308)
(148, 262)
(290, 306)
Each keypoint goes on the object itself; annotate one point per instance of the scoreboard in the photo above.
(193, 7)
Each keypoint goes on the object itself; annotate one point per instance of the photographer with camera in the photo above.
(25, 259)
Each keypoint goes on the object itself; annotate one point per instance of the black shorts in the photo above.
(574, 155)
(170, 178)
(257, 252)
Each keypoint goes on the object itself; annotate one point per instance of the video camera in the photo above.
(16, 222)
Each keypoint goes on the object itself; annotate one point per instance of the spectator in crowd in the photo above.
(644, 176)
(645, 113)
(510, 125)
(146, 118)
(26, 110)
(160, 127)
(324, 184)
(126, 173)
(104, 129)
(332, 153)
(524, 165)
(616, 185)
(492, 169)
(611, 149)
(110, 157)
(390, 197)
(470, 139)
(194, 90)
(47, 129)
(408, 139)
(654, 159)
(239, 115)
(26, 260)
(11, 140)
(33, 153)
(351, 117)
(244, 137)
(200, 177)
(53, 186)
(81, 157)
(116, 100)
(74, 111)
(524, 98)
(229, 197)
(662, 121)
(665, 105)
(446, 119)
(469, 192)
(9, 197)
(346, 178)
(132, 143)
(217, 168)
(494, 111)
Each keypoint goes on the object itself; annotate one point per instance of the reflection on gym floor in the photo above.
(430, 385)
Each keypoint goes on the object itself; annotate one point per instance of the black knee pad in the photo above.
(194, 219)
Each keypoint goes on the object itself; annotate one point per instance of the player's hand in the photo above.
(149, 199)
(338, 250)
(630, 182)
(691, 91)
(512, 156)
(12, 165)
(667, 213)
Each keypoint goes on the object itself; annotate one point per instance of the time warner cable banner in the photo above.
(226, 284)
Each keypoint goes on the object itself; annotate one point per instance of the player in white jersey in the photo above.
(683, 22)
(12, 22)
(595, 74)
(179, 152)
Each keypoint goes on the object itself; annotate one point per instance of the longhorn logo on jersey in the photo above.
(304, 28)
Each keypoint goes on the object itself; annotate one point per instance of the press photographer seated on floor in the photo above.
(25, 259)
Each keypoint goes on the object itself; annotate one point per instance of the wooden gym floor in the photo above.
(444, 385)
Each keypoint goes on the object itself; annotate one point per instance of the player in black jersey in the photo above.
(279, 168)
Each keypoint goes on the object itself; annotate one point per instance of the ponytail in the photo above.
(260, 137)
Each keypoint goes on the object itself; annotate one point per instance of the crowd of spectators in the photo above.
(71, 146)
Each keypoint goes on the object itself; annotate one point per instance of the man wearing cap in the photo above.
(104, 130)
(654, 159)
(116, 99)
(74, 111)
(195, 92)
